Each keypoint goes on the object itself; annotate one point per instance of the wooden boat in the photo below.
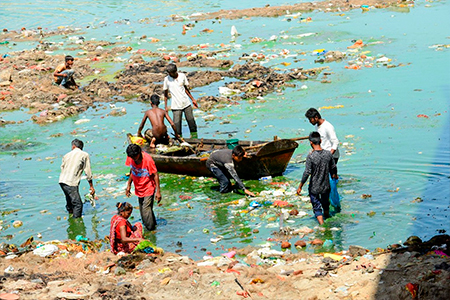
(263, 158)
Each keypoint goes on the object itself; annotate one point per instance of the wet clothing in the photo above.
(72, 167)
(223, 178)
(329, 138)
(181, 103)
(74, 205)
(221, 164)
(118, 221)
(143, 176)
(319, 202)
(189, 115)
(147, 214)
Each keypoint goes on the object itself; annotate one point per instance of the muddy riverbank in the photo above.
(416, 270)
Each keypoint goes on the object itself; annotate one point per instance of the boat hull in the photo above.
(264, 158)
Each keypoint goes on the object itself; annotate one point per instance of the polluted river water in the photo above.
(391, 118)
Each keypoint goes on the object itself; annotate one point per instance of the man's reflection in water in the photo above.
(76, 227)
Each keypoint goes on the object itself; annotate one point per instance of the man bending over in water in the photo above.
(158, 133)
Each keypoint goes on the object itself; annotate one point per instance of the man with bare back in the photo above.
(158, 133)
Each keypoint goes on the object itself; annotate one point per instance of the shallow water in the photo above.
(396, 156)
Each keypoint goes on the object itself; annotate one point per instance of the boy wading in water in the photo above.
(158, 133)
(319, 164)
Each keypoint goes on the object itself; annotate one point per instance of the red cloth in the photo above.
(114, 238)
(143, 175)
(280, 203)
(127, 225)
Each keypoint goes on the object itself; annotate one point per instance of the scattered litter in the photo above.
(216, 239)
(45, 250)
(81, 121)
(234, 31)
(17, 223)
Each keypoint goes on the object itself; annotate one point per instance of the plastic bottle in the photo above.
(328, 243)
(266, 179)
(80, 238)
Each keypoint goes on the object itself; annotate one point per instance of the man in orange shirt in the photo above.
(145, 178)
(63, 74)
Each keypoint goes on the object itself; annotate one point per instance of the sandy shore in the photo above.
(75, 271)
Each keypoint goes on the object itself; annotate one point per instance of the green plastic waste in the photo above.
(215, 283)
(143, 245)
(232, 143)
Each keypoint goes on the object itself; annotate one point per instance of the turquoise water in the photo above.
(388, 151)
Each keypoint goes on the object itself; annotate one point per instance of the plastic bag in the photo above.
(45, 250)
(148, 247)
(335, 199)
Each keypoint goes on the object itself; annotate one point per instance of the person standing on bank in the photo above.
(328, 135)
(72, 167)
(221, 164)
(145, 178)
(177, 84)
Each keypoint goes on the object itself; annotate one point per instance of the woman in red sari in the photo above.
(122, 236)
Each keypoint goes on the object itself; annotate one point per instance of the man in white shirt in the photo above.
(177, 84)
(328, 136)
(72, 167)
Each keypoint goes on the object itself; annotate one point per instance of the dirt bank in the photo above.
(76, 271)
(276, 11)
(26, 80)
(26, 76)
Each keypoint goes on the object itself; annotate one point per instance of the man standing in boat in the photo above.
(328, 136)
(177, 84)
(158, 133)
(221, 164)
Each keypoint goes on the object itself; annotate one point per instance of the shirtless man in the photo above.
(63, 75)
(158, 133)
